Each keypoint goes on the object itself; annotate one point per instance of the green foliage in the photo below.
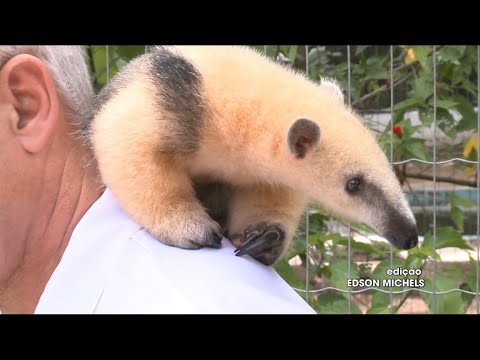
(446, 237)
(457, 204)
(370, 92)
(339, 306)
(450, 303)
(118, 56)
(456, 90)
(332, 266)
(381, 300)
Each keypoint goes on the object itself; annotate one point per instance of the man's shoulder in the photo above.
(112, 265)
(151, 277)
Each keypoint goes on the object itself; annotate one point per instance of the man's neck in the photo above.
(63, 206)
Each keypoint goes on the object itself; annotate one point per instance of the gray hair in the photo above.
(70, 75)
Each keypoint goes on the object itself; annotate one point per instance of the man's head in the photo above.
(45, 99)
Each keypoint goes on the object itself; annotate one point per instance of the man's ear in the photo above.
(31, 92)
(303, 137)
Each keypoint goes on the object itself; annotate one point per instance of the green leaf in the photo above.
(319, 239)
(313, 303)
(445, 237)
(473, 156)
(128, 52)
(359, 246)
(378, 310)
(426, 251)
(445, 121)
(378, 74)
(379, 300)
(299, 247)
(422, 87)
(286, 272)
(457, 217)
(426, 117)
(449, 237)
(416, 149)
(315, 56)
(461, 244)
(329, 297)
(272, 51)
(452, 53)
(339, 275)
(99, 59)
(382, 246)
(447, 233)
(444, 71)
(360, 49)
(472, 279)
(458, 74)
(456, 200)
(292, 53)
(428, 239)
(451, 303)
(469, 86)
(422, 54)
(339, 306)
(446, 104)
(409, 103)
(380, 273)
(467, 298)
(412, 258)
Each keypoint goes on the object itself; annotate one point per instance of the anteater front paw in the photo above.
(188, 231)
(262, 241)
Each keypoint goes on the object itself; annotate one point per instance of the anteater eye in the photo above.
(353, 185)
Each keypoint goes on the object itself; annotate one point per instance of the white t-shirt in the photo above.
(112, 265)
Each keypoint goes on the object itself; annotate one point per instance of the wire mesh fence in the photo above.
(434, 290)
(422, 102)
(431, 261)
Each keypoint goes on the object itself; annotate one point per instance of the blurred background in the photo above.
(422, 103)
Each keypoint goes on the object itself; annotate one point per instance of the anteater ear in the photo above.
(303, 137)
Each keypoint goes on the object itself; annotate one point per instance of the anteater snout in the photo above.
(410, 241)
(404, 240)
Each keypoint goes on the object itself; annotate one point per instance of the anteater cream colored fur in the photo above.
(251, 106)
